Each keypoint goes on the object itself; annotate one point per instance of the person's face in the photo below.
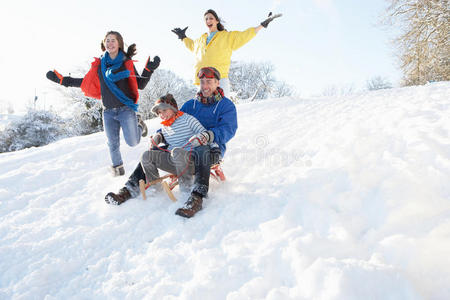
(166, 114)
(211, 22)
(111, 44)
(208, 86)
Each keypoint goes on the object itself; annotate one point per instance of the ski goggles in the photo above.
(208, 72)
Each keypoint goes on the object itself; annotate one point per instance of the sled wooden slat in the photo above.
(168, 190)
(142, 188)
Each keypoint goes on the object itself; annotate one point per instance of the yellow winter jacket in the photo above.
(218, 52)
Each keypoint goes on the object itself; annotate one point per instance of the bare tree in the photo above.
(163, 82)
(252, 80)
(341, 90)
(423, 46)
(282, 89)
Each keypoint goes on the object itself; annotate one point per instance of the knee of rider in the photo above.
(147, 156)
(178, 153)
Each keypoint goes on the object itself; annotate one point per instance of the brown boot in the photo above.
(191, 207)
(119, 198)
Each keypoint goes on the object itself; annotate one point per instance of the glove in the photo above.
(156, 139)
(202, 138)
(270, 18)
(180, 32)
(56, 77)
(152, 65)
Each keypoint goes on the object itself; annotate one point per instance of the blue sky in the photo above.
(316, 44)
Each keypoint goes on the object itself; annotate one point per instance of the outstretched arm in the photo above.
(64, 80)
(266, 22)
(258, 28)
(150, 67)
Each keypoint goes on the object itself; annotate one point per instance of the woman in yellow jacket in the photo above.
(214, 49)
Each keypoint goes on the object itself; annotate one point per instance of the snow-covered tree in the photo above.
(341, 90)
(282, 89)
(255, 80)
(34, 129)
(378, 83)
(163, 82)
(251, 80)
(86, 116)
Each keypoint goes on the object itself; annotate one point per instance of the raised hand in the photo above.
(152, 65)
(181, 33)
(270, 18)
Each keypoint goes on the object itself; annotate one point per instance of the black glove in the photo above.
(180, 32)
(270, 18)
(152, 65)
(58, 78)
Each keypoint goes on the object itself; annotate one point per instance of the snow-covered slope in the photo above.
(333, 198)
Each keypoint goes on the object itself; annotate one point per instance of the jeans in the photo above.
(113, 119)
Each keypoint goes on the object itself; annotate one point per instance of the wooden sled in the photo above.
(170, 181)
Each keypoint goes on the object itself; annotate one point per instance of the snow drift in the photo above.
(327, 198)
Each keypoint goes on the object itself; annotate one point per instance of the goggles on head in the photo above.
(208, 72)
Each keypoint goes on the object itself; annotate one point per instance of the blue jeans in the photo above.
(113, 119)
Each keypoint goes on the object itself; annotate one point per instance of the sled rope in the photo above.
(189, 160)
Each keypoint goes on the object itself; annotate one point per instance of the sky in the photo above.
(315, 45)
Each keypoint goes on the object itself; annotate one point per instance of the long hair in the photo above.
(131, 51)
(220, 26)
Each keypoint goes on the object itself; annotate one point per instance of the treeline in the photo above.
(422, 43)
(41, 127)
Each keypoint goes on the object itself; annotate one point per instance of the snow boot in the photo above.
(191, 207)
(142, 124)
(117, 170)
(119, 198)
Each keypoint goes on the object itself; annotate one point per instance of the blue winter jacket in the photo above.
(219, 117)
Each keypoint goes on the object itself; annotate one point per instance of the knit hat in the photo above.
(165, 102)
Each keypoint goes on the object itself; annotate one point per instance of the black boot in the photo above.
(191, 207)
(119, 198)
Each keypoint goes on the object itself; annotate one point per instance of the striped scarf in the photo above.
(215, 97)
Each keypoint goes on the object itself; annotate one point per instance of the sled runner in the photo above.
(170, 181)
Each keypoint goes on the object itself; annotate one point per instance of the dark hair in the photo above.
(131, 51)
(219, 25)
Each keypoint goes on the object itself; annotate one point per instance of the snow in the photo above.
(325, 198)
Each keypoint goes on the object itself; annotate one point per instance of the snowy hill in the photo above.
(331, 198)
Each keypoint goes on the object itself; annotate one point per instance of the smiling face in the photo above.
(112, 44)
(166, 114)
(211, 22)
(208, 86)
